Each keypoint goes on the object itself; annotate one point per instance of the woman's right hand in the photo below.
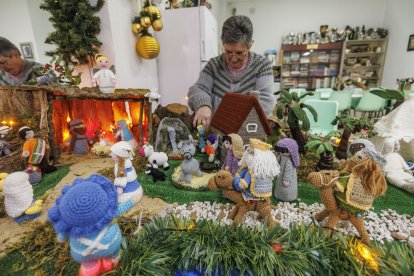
(202, 117)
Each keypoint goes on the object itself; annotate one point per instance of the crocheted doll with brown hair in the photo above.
(234, 145)
(255, 176)
(349, 196)
(79, 141)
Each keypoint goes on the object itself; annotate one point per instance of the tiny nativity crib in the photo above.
(58, 105)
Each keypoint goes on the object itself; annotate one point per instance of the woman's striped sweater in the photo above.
(216, 80)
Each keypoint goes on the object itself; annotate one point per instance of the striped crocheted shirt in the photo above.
(26, 75)
(216, 80)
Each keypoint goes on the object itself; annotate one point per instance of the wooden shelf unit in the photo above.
(364, 60)
(310, 66)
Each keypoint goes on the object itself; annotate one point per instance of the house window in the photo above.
(251, 127)
(245, 147)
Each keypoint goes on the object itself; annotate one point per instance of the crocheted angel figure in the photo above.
(85, 214)
(126, 182)
(286, 188)
(104, 77)
(18, 198)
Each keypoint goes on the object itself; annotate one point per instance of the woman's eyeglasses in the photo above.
(238, 55)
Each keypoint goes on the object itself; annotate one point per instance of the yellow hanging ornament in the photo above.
(145, 22)
(157, 25)
(153, 11)
(136, 28)
(147, 46)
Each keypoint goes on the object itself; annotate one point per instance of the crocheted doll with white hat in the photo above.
(234, 145)
(85, 214)
(126, 181)
(286, 188)
(35, 151)
(18, 198)
(124, 134)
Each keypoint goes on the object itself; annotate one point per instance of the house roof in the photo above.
(233, 111)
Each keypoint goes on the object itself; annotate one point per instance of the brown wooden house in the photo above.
(240, 114)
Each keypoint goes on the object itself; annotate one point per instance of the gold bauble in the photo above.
(136, 28)
(157, 25)
(145, 22)
(153, 11)
(147, 46)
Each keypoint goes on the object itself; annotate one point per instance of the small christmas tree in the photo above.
(76, 29)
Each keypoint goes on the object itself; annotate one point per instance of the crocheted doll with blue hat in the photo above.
(85, 214)
(124, 134)
(18, 198)
(286, 188)
(126, 181)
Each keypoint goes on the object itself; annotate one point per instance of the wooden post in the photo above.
(44, 109)
(51, 133)
(141, 116)
(151, 139)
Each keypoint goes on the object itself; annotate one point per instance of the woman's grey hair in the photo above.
(6, 47)
(237, 29)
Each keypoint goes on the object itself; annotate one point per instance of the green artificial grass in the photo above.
(50, 180)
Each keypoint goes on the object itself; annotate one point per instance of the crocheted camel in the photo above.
(223, 180)
(349, 196)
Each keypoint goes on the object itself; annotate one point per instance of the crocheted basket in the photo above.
(85, 207)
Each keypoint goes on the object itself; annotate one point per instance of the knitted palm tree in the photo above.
(295, 113)
(392, 94)
(324, 149)
(351, 125)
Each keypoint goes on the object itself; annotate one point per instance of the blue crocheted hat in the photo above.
(85, 207)
(293, 149)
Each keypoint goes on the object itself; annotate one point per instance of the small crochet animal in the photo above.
(35, 152)
(105, 78)
(155, 158)
(85, 214)
(79, 142)
(286, 188)
(210, 148)
(124, 134)
(234, 145)
(350, 195)
(155, 173)
(126, 181)
(18, 198)
(190, 165)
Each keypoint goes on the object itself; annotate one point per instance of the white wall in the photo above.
(274, 18)
(15, 23)
(399, 19)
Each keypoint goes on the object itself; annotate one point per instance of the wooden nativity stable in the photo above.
(240, 114)
(58, 105)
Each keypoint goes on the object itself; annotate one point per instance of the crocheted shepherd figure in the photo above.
(286, 188)
(126, 182)
(18, 198)
(234, 145)
(79, 142)
(35, 152)
(104, 77)
(210, 148)
(255, 176)
(85, 214)
(124, 134)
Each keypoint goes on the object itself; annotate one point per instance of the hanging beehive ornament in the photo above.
(147, 46)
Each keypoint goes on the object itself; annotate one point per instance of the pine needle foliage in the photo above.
(76, 29)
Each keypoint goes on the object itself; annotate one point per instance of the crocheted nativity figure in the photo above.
(210, 148)
(258, 168)
(4, 148)
(286, 188)
(124, 134)
(234, 145)
(104, 76)
(85, 214)
(18, 198)
(126, 182)
(35, 151)
(79, 141)
(396, 169)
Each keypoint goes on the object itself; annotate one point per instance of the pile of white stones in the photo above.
(388, 225)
